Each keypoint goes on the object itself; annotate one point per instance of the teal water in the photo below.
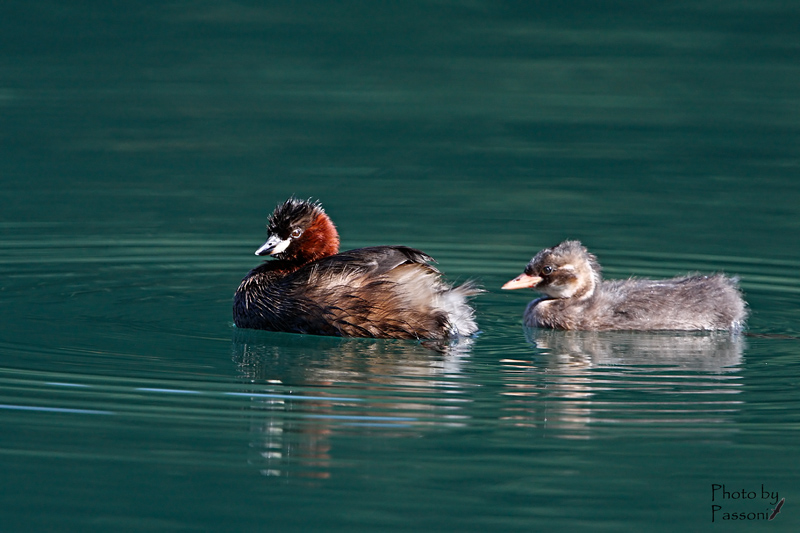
(143, 145)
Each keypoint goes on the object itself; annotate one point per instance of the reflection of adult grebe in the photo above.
(397, 388)
(383, 291)
(578, 299)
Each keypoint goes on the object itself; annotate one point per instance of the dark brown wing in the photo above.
(383, 291)
(375, 260)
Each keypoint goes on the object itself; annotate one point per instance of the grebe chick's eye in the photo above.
(547, 270)
(296, 233)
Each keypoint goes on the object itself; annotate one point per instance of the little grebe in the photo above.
(577, 298)
(381, 292)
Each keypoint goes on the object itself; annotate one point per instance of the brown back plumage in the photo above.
(383, 291)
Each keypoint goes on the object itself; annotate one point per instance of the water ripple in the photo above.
(157, 347)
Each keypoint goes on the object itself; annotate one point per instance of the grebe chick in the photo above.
(381, 292)
(577, 298)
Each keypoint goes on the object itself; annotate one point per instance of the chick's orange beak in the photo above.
(523, 281)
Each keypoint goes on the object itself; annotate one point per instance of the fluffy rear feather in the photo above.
(382, 292)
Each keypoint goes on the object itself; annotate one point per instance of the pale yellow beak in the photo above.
(523, 281)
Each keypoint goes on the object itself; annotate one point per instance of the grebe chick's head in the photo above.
(300, 231)
(564, 271)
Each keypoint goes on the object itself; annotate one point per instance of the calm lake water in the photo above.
(144, 144)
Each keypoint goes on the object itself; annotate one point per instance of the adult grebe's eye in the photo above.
(547, 270)
(296, 233)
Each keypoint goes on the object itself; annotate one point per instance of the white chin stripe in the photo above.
(283, 245)
(274, 245)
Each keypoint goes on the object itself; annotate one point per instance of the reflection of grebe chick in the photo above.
(577, 298)
(383, 291)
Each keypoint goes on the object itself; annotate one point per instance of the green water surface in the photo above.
(142, 146)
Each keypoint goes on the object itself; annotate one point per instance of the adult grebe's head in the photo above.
(564, 271)
(300, 231)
